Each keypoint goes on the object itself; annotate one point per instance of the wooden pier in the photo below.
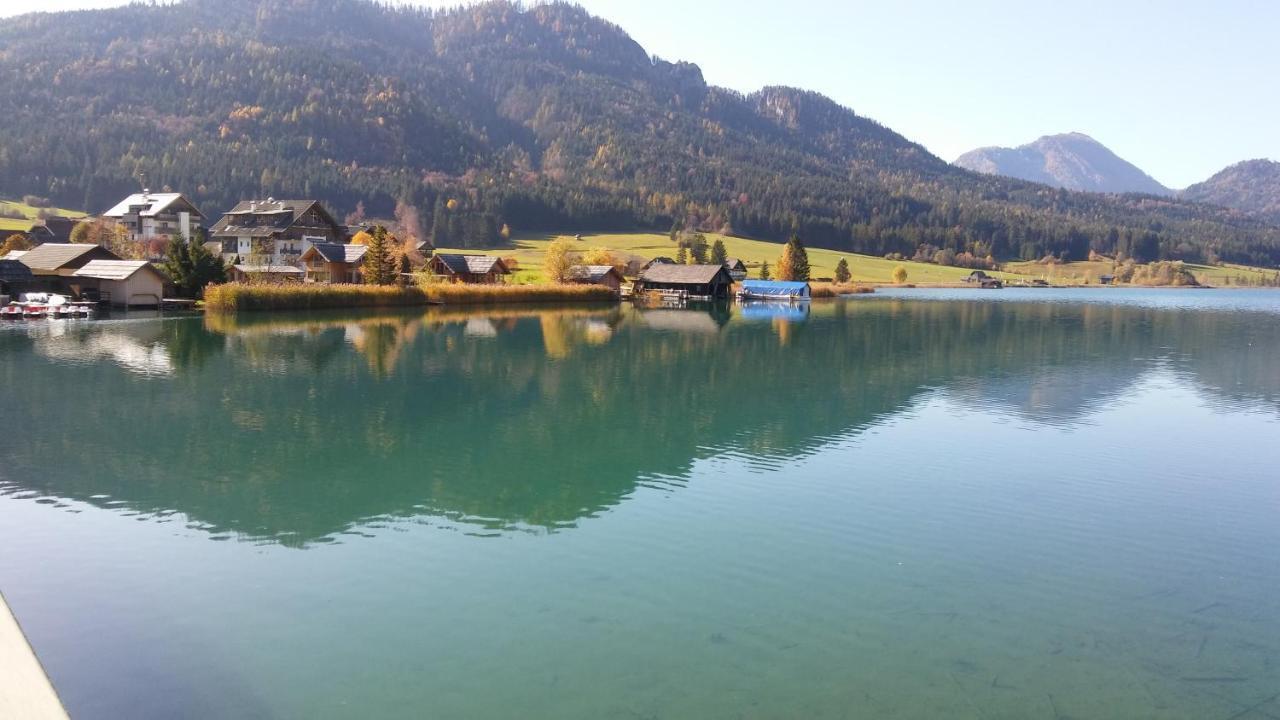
(25, 690)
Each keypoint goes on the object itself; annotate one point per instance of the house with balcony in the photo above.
(275, 232)
(149, 216)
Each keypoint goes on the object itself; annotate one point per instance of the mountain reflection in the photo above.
(295, 429)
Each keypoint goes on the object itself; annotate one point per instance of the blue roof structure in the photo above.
(775, 288)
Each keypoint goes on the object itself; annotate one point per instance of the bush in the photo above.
(900, 275)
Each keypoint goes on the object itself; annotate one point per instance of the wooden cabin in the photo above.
(265, 273)
(709, 281)
(606, 275)
(123, 283)
(737, 269)
(53, 265)
(470, 269)
(334, 263)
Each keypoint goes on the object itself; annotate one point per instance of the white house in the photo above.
(150, 216)
(124, 283)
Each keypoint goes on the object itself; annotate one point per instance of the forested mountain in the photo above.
(1073, 161)
(543, 119)
(1252, 186)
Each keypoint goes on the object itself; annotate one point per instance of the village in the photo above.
(296, 242)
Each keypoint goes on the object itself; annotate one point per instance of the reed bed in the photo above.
(238, 297)
(453, 294)
(242, 297)
(830, 290)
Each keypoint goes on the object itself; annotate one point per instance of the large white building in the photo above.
(150, 216)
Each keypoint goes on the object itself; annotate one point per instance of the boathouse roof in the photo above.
(781, 288)
(54, 256)
(683, 274)
(473, 264)
(114, 269)
(590, 273)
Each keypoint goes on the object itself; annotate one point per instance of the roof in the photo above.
(686, 274)
(269, 269)
(113, 269)
(334, 252)
(13, 271)
(734, 263)
(14, 254)
(774, 287)
(264, 218)
(473, 264)
(152, 204)
(52, 256)
(590, 273)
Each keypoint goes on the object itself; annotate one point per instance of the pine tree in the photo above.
(191, 266)
(682, 256)
(842, 271)
(719, 255)
(764, 270)
(381, 266)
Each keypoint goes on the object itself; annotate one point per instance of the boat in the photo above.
(12, 312)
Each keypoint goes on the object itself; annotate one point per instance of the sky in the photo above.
(1180, 88)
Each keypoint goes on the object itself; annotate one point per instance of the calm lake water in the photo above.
(918, 504)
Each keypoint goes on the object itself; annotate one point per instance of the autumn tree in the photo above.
(719, 254)
(794, 263)
(361, 238)
(603, 256)
(842, 271)
(16, 241)
(900, 274)
(558, 259)
(381, 262)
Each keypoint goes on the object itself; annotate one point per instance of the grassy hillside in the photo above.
(1087, 273)
(529, 249)
(29, 215)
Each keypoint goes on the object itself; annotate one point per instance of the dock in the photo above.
(25, 689)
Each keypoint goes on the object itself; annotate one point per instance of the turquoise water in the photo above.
(917, 504)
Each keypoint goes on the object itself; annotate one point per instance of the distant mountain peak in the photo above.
(1073, 160)
(1251, 185)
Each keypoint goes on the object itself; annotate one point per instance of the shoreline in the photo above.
(26, 690)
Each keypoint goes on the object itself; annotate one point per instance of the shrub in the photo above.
(900, 275)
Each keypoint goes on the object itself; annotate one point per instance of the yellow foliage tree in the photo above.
(784, 270)
(361, 238)
(603, 256)
(900, 274)
(556, 262)
(16, 241)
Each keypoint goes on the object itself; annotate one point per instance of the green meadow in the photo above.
(529, 249)
(28, 215)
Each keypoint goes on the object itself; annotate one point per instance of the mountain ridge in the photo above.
(541, 118)
(1250, 185)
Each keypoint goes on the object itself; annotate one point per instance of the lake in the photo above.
(914, 504)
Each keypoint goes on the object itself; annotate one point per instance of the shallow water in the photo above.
(1011, 504)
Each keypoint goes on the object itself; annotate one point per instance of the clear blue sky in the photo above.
(1180, 88)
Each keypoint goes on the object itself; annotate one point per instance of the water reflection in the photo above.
(296, 429)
